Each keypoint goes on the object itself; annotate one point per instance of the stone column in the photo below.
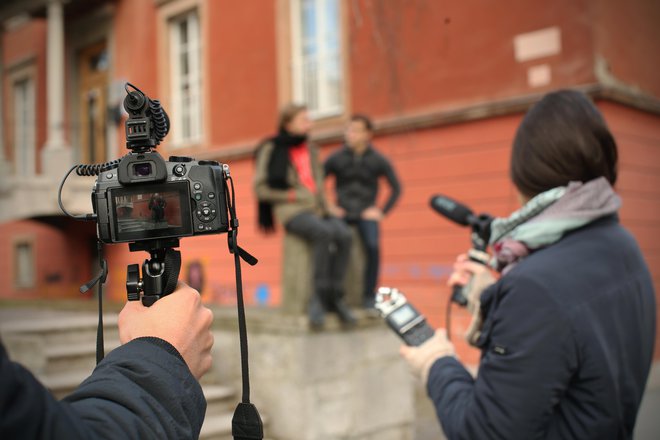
(4, 166)
(56, 154)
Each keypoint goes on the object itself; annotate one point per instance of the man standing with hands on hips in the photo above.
(357, 168)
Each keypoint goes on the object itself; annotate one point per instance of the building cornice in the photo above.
(433, 119)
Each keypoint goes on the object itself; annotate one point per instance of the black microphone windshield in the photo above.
(451, 209)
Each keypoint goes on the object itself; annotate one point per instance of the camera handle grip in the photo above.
(160, 276)
(458, 296)
(459, 293)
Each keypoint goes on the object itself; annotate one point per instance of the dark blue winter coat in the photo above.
(567, 345)
(141, 390)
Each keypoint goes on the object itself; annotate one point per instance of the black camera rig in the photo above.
(150, 203)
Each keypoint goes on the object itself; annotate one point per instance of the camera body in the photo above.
(147, 198)
(402, 317)
(143, 197)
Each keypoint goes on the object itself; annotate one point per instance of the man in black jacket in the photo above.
(357, 168)
(147, 388)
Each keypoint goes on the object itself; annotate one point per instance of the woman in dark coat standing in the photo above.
(567, 332)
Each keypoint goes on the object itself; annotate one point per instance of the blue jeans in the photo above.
(370, 234)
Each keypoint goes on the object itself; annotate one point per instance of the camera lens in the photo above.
(142, 169)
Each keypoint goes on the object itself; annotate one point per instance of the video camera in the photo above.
(150, 198)
(151, 203)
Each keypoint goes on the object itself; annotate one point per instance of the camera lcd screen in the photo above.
(151, 211)
(403, 315)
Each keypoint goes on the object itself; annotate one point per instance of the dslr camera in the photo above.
(147, 197)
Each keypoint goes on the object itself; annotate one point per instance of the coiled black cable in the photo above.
(96, 169)
(159, 119)
(84, 170)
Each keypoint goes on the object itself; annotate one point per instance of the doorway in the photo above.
(93, 73)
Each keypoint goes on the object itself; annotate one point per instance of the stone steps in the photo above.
(74, 356)
(64, 329)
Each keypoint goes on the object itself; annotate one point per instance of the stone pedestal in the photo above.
(297, 269)
(327, 385)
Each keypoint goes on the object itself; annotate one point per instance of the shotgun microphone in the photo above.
(454, 211)
(461, 214)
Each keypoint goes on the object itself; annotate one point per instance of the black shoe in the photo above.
(369, 303)
(316, 313)
(344, 313)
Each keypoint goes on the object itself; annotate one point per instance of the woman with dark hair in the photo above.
(567, 332)
(289, 186)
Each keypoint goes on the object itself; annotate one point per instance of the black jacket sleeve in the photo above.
(527, 360)
(330, 165)
(141, 390)
(395, 186)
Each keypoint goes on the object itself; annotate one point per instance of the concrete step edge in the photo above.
(53, 324)
(77, 349)
(213, 392)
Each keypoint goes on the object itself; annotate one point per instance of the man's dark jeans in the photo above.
(330, 239)
(370, 234)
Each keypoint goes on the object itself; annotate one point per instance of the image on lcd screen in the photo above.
(403, 315)
(148, 211)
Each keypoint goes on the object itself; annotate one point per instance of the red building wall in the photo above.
(62, 258)
(626, 35)
(241, 78)
(412, 56)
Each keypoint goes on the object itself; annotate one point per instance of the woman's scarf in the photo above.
(549, 216)
(276, 173)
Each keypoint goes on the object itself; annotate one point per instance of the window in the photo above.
(317, 61)
(186, 79)
(24, 270)
(24, 127)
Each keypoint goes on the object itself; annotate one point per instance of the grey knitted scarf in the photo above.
(546, 218)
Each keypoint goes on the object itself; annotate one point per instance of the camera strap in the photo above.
(100, 278)
(246, 423)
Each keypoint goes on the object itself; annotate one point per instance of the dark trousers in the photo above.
(330, 239)
(370, 235)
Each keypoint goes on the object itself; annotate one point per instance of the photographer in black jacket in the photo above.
(146, 389)
(567, 332)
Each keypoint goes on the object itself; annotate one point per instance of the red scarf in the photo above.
(300, 158)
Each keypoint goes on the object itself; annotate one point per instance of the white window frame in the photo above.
(24, 126)
(183, 115)
(317, 94)
(24, 270)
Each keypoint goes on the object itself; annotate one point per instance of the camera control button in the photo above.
(198, 196)
(200, 227)
(179, 170)
(197, 186)
(211, 196)
(205, 212)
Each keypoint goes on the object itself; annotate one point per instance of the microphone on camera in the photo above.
(453, 210)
